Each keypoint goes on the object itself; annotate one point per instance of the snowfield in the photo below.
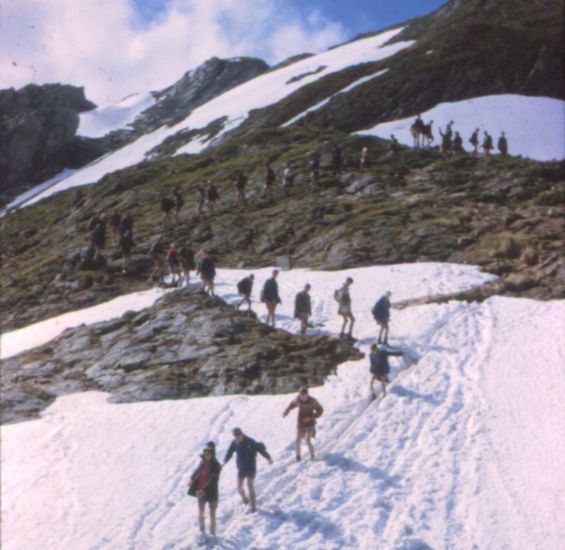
(466, 451)
(534, 126)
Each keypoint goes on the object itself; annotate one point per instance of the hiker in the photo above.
(309, 410)
(344, 309)
(114, 223)
(488, 145)
(240, 183)
(428, 134)
(364, 155)
(446, 141)
(380, 368)
(381, 313)
(187, 263)
(503, 145)
(203, 485)
(288, 179)
(213, 196)
(314, 170)
(245, 287)
(167, 207)
(337, 160)
(126, 246)
(179, 203)
(394, 147)
(126, 224)
(157, 254)
(207, 271)
(457, 144)
(98, 235)
(269, 182)
(270, 296)
(474, 141)
(174, 265)
(246, 450)
(200, 200)
(303, 308)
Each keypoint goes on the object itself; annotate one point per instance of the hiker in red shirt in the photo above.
(309, 409)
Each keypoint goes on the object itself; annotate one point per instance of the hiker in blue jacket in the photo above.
(381, 313)
(246, 450)
(380, 368)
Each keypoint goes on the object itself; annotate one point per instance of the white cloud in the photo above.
(100, 44)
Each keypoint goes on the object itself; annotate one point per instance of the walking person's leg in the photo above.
(201, 514)
(241, 490)
(310, 446)
(297, 444)
(252, 497)
(213, 507)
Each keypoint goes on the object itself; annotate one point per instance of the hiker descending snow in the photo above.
(270, 297)
(380, 369)
(207, 271)
(303, 308)
(309, 410)
(343, 299)
(381, 313)
(204, 486)
(244, 288)
(246, 450)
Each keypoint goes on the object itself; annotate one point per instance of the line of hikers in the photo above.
(452, 142)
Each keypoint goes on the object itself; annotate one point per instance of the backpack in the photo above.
(338, 294)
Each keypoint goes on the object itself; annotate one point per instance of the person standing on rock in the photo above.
(98, 235)
(474, 141)
(303, 308)
(179, 203)
(488, 145)
(381, 314)
(458, 144)
(244, 288)
(200, 200)
(503, 145)
(343, 299)
(240, 183)
(270, 296)
(167, 207)
(174, 264)
(213, 196)
(126, 246)
(309, 410)
(380, 369)
(126, 224)
(187, 263)
(246, 450)
(157, 253)
(207, 271)
(203, 485)
(446, 141)
(288, 179)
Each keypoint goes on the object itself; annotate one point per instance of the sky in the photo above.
(118, 47)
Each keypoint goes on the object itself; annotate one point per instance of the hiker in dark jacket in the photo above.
(309, 410)
(174, 264)
(270, 296)
(204, 485)
(337, 160)
(207, 271)
(488, 145)
(246, 450)
(244, 288)
(446, 141)
(380, 368)
(503, 144)
(167, 207)
(98, 235)
(303, 308)
(240, 183)
(187, 263)
(458, 144)
(474, 141)
(381, 313)
(126, 224)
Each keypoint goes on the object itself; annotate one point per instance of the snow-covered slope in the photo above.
(465, 451)
(101, 121)
(533, 125)
(236, 103)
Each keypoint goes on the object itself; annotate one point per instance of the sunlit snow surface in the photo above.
(534, 126)
(466, 451)
(236, 103)
(105, 119)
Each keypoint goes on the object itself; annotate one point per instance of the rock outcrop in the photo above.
(186, 345)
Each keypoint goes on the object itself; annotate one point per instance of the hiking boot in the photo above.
(245, 500)
(298, 459)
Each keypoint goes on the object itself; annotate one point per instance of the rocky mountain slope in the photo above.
(186, 345)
